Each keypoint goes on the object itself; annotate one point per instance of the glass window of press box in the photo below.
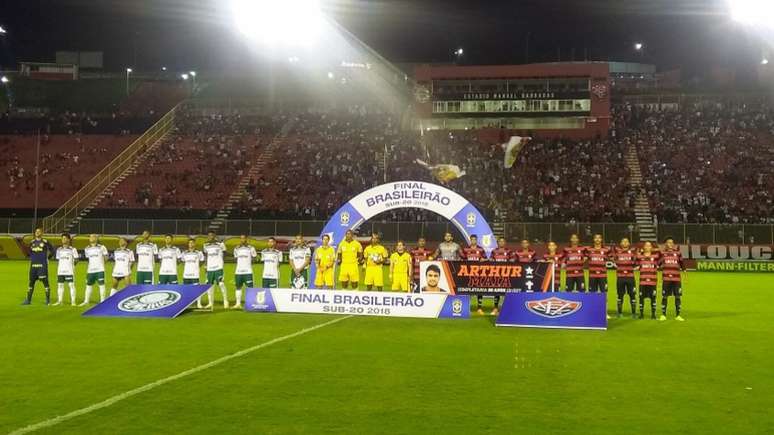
(445, 87)
(512, 106)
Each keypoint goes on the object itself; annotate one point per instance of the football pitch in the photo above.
(237, 372)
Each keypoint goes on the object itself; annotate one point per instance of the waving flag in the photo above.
(512, 148)
(443, 172)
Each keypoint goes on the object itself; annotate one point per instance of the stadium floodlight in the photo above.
(764, 61)
(755, 12)
(2, 30)
(459, 51)
(294, 22)
(163, 68)
(184, 76)
(4, 80)
(331, 75)
(638, 46)
(192, 73)
(128, 70)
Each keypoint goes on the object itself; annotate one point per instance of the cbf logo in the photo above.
(553, 307)
(344, 218)
(260, 297)
(149, 301)
(471, 219)
(456, 307)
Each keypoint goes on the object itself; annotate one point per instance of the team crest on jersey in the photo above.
(149, 301)
(471, 219)
(553, 307)
(298, 282)
(344, 218)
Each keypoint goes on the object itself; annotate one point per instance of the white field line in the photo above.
(147, 387)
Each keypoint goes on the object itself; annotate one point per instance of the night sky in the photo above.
(146, 34)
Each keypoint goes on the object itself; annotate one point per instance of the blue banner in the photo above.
(149, 301)
(554, 310)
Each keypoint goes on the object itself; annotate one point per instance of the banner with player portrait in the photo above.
(409, 194)
(359, 303)
(483, 277)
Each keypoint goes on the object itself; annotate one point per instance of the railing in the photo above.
(410, 231)
(63, 216)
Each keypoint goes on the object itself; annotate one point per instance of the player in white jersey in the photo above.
(146, 259)
(243, 275)
(299, 256)
(168, 255)
(95, 272)
(271, 258)
(214, 250)
(66, 257)
(122, 265)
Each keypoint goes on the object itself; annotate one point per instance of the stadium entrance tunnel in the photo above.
(408, 194)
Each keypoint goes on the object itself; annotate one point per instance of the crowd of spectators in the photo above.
(709, 162)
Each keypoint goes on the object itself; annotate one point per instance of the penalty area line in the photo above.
(127, 394)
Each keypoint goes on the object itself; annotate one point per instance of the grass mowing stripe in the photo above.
(125, 395)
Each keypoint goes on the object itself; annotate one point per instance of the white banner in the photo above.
(403, 194)
(360, 303)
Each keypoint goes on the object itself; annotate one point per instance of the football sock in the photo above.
(677, 305)
(239, 296)
(48, 295)
(113, 291)
(87, 297)
(496, 301)
(72, 293)
(59, 292)
(101, 293)
(30, 291)
(664, 302)
(479, 301)
(619, 304)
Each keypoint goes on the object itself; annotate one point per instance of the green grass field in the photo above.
(710, 374)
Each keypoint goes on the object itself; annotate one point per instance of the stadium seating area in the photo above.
(711, 162)
(66, 162)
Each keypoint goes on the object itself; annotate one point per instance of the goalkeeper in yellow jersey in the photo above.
(400, 268)
(324, 257)
(349, 256)
(375, 255)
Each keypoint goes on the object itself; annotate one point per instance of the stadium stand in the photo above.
(710, 162)
(66, 162)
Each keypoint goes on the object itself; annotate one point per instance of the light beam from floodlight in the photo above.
(4, 80)
(293, 22)
(2, 30)
(755, 12)
(184, 76)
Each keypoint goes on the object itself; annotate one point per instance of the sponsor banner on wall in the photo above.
(483, 277)
(360, 303)
(734, 266)
(149, 301)
(727, 252)
(554, 310)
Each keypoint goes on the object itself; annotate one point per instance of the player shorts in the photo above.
(214, 277)
(374, 275)
(167, 279)
(190, 281)
(144, 277)
(64, 278)
(324, 278)
(349, 273)
(95, 277)
(575, 283)
(400, 283)
(269, 282)
(671, 288)
(119, 278)
(301, 281)
(647, 292)
(626, 286)
(598, 285)
(38, 273)
(243, 280)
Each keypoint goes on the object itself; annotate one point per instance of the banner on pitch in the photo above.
(735, 266)
(554, 310)
(484, 277)
(149, 301)
(360, 303)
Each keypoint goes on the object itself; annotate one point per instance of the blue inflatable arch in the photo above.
(408, 194)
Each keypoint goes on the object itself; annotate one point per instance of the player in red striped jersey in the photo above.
(553, 256)
(475, 253)
(624, 258)
(420, 253)
(647, 262)
(500, 254)
(671, 268)
(525, 254)
(574, 256)
(598, 256)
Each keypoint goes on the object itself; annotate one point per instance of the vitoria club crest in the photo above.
(553, 307)
(149, 301)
